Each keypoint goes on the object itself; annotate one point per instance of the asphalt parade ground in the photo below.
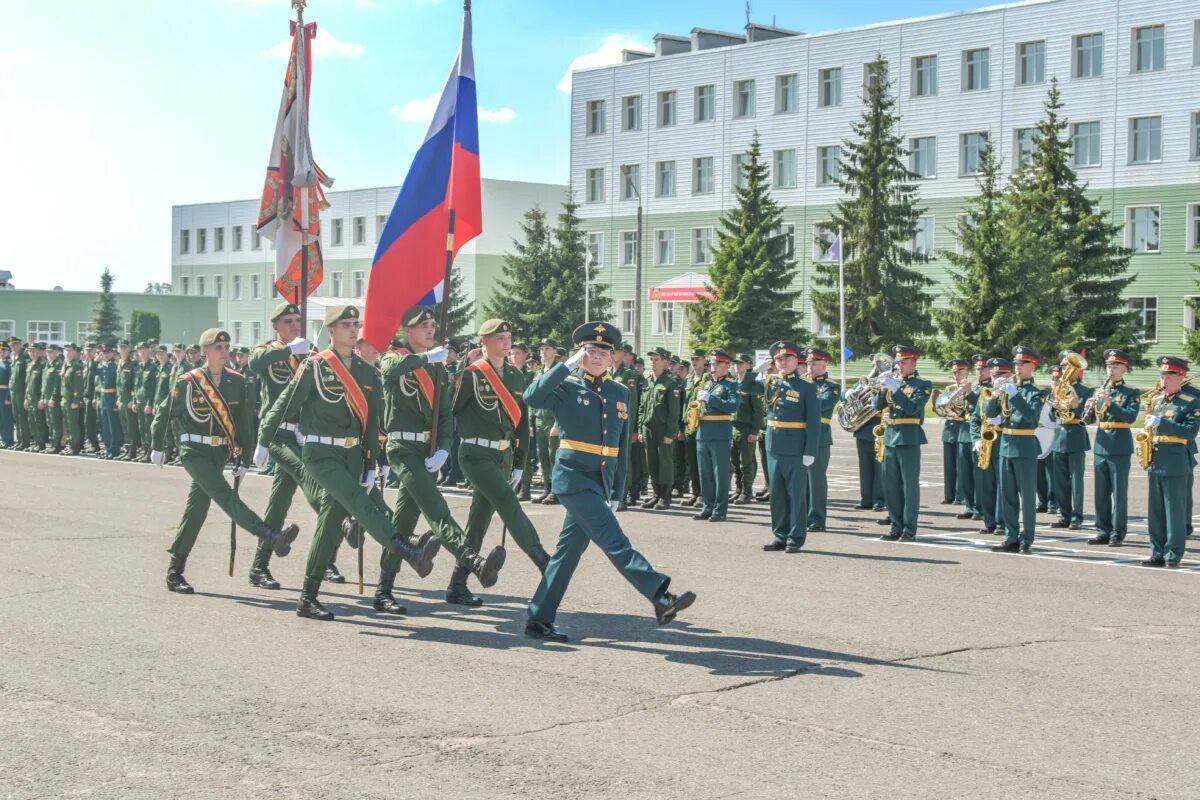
(855, 669)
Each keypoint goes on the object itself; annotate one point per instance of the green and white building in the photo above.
(666, 130)
(216, 252)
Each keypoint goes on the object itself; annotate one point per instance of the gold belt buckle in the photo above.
(503, 445)
(349, 441)
(214, 441)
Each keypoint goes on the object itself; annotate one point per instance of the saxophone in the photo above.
(1151, 402)
(696, 409)
(988, 433)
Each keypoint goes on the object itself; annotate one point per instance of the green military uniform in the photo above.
(870, 470)
(986, 500)
(147, 388)
(6, 403)
(968, 467)
(747, 427)
(33, 398)
(953, 480)
(52, 399)
(1173, 423)
(20, 372)
(1067, 450)
(1017, 408)
(1111, 454)
(714, 439)
(91, 410)
(660, 417)
(828, 395)
(635, 382)
(903, 405)
(209, 412)
(126, 375)
(546, 444)
(74, 399)
(695, 383)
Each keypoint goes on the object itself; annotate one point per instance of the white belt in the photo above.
(407, 436)
(336, 441)
(501, 445)
(211, 441)
(288, 426)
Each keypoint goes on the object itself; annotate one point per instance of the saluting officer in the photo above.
(1113, 408)
(660, 416)
(1067, 450)
(1172, 424)
(903, 405)
(828, 395)
(953, 481)
(747, 426)
(1017, 408)
(714, 437)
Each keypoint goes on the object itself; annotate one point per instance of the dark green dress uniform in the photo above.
(6, 403)
(91, 411)
(714, 439)
(953, 484)
(33, 398)
(1174, 422)
(636, 383)
(20, 369)
(1017, 451)
(126, 374)
(74, 400)
(147, 388)
(205, 448)
(793, 437)
(1111, 455)
(1067, 450)
(592, 414)
(694, 384)
(661, 409)
(541, 424)
(870, 471)
(828, 395)
(903, 405)
(747, 422)
(106, 398)
(490, 442)
(52, 398)
(967, 466)
(986, 500)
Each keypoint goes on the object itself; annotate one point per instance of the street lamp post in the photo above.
(637, 267)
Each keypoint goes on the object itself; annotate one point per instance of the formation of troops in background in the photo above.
(342, 423)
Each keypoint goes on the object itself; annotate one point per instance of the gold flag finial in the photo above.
(299, 6)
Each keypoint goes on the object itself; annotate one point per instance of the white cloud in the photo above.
(324, 46)
(422, 110)
(609, 52)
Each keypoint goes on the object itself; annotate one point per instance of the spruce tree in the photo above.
(144, 326)
(567, 286)
(1191, 344)
(106, 319)
(461, 314)
(527, 270)
(751, 273)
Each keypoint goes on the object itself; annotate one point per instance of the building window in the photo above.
(788, 231)
(1195, 150)
(924, 76)
(1147, 311)
(822, 240)
(185, 242)
(738, 166)
(185, 285)
(631, 113)
(829, 87)
(1194, 226)
(702, 245)
(786, 92)
(1149, 48)
(237, 238)
(663, 319)
(596, 248)
(218, 240)
(626, 317)
(1145, 140)
(664, 248)
(743, 99)
(237, 332)
(1023, 145)
(360, 283)
(629, 248)
(201, 240)
(219, 285)
(1190, 321)
(380, 224)
(46, 331)
(595, 117)
(820, 328)
(255, 332)
(1087, 60)
(200, 287)
(336, 232)
(664, 185)
(703, 181)
(1031, 63)
(923, 156)
(1196, 44)
(870, 77)
(975, 70)
(922, 243)
(631, 181)
(1141, 229)
(970, 147)
(706, 105)
(256, 288)
(785, 169)
(666, 109)
(237, 287)
(255, 239)
(336, 285)
(966, 222)
(827, 164)
(273, 285)
(360, 230)
(1085, 144)
(595, 185)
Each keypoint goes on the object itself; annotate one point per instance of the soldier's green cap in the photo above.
(283, 309)
(560, 352)
(213, 336)
(70, 346)
(151, 342)
(142, 345)
(244, 351)
(106, 347)
(52, 346)
(745, 358)
(699, 354)
(520, 346)
(13, 340)
(416, 315)
(177, 346)
(162, 348)
(545, 343)
(123, 343)
(40, 345)
(627, 348)
(491, 326)
(676, 361)
(338, 313)
(193, 347)
(661, 352)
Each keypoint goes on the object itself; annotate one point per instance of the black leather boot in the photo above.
(541, 498)
(486, 569)
(384, 601)
(333, 574)
(309, 606)
(420, 555)
(352, 532)
(667, 606)
(457, 592)
(540, 557)
(175, 580)
(652, 499)
(664, 498)
(550, 500)
(260, 573)
(279, 541)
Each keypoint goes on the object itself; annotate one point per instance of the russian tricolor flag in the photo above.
(410, 261)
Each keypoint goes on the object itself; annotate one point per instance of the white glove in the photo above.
(435, 461)
(299, 437)
(808, 461)
(437, 355)
(975, 448)
(157, 457)
(1152, 421)
(515, 479)
(890, 382)
(995, 420)
(613, 504)
(1009, 389)
(299, 345)
(762, 366)
(384, 471)
(703, 396)
(237, 470)
(261, 454)
(368, 479)
(576, 357)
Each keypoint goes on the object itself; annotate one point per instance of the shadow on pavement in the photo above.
(865, 557)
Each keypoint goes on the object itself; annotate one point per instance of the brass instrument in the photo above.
(952, 403)
(988, 433)
(858, 404)
(1064, 393)
(881, 428)
(1090, 405)
(1143, 441)
(696, 409)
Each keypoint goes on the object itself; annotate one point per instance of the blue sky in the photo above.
(115, 111)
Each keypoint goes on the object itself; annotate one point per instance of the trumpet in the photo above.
(881, 428)
(1099, 402)
(1064, 393)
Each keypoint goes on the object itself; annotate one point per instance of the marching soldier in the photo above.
(1017, 408)
(828, 395)
(34, 404)
(953, 481)
(1113, 408)
(660, 425)
(6, 403)
(1067, 450)
(1172, 423)
(714, 437)
(209, 411)
(20, 371)
(903, 405)
(985, 479)
(693, 385)
(546, 437)
(592, 415)
(747, 425)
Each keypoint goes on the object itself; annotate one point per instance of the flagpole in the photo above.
(842, 307)
(302, 290)
(443, 316)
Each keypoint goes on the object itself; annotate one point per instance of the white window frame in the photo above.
(824, 177)
(1129, 304)
(821, 234)
(667, 169)
(380, 223)
(1158, 54)
(219, 286)
(1078, 58)
(238, 238)
(629, 249)
(662, 320)
(43, 330)
(708, 243)
(8, 327)
(1130, 241)
(737, 172)
(787, 93)
(271, 283)
(664, 247)
(360, 230)
(185, 284)
(1133, 141)
(83, 331)
(784, 175)
(962, 152)
(631, 181)
(924, 78)
(1099, 151)
(926, 228)
(829, 87)
(1018, 150)
(1038, 56)
(788, 231)
(335, 285)
(185, 241)
(1194, 130)
(959, 220)
(237, 286)
(219, 239)
(914, 147)
(256, 332)
(705, 100)
(627, 316)
(337, 232)
(255, 239)
(200, 287)
(255, 286)
(359, 279)
(667, 114)
(985, 82)
(1193, 227)
(595, 244)
(698, 172)
(595, 117)
(744, 101)
(201, 240)
(820, 330)
(237, 332)
(594, 185)
(631, 104)
(1190, 318)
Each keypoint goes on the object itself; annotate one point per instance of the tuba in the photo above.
(952, 403)
(1064, 393)
(857, 406)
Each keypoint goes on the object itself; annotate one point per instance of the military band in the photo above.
(899, 438)
(1015, 406)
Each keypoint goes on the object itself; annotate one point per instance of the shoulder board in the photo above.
(233, 372)
(1187, 396)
